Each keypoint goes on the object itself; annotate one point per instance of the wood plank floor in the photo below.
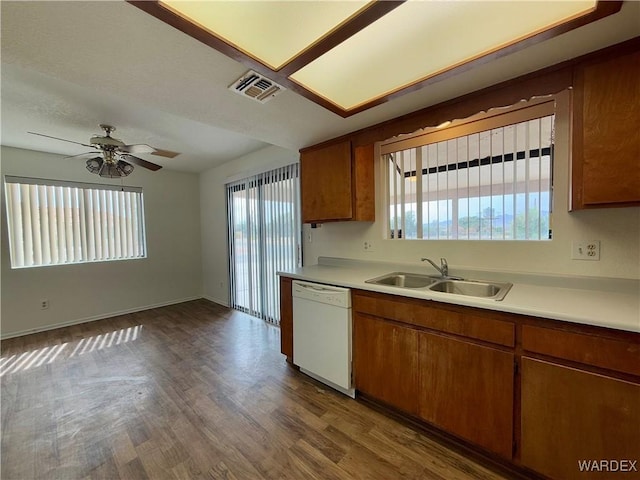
(198, 391)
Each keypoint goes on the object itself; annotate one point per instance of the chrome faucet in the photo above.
(443, 268)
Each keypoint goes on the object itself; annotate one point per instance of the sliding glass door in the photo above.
(264, 237)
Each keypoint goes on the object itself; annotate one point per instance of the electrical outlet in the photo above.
(368, 246)
(588, 250)
(44, 304)
(309, 237)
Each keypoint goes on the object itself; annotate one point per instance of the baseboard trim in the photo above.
(98, 317)
(216, 300)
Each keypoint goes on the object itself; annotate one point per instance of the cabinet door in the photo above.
(325, 182)
(569, 415)
(467, 390)
(386, 361)
(364, 183)
(286, 318)
(606, 150)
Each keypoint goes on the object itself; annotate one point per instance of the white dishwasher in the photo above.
(322, 334)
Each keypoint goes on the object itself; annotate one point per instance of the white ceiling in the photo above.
(69, 66)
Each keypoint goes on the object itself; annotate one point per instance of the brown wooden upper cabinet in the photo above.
(337, 183)
(606, 133)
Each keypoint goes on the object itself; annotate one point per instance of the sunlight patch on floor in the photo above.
(47, 355)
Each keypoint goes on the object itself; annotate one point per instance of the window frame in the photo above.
(523, 111)
(79, 228)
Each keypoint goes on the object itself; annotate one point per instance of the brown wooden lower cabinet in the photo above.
(467, 389)
(459, 386)
(571, 418)
(385, 361)
(576, 397)
(286, 317)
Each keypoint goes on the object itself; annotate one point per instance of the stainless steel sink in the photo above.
(472, 288)
(404, 280)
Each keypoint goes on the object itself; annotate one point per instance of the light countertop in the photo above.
(611, 303)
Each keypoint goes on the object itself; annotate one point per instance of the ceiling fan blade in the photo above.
(164, 153)
(141, 162)
(83, 155)
(62, 139)
(139, 148)
(143, 148)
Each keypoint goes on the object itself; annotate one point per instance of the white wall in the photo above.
(170, 273)
(187, 243)
(618, 230)
(215, 256)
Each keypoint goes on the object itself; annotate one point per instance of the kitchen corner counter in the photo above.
(597, 302)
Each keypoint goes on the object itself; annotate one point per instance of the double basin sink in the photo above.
(470, 288)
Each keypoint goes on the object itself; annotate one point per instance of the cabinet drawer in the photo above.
(619, 355)
(459, 321)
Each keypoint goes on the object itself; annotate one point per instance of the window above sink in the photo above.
(488, 177)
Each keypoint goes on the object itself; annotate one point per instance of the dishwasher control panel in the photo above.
(338, 296)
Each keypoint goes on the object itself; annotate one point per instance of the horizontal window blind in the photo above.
(489, 179)
(52, 222)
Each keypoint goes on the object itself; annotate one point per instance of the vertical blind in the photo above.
(53, 222)
(489, 179)
(264, 237)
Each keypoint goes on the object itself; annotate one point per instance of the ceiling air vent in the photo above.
(256, 86)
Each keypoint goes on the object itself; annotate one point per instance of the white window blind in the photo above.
(264, 237)
(488, 179)
(54, 222)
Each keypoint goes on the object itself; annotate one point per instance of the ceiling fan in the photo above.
(115, 157)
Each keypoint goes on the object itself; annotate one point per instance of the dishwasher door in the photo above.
(322, 334)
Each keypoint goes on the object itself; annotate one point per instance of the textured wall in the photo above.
(170, 273)
(215, 256)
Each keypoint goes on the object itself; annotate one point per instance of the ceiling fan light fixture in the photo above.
(125, 168)
(109, 170)
(115, 170)
(94, 164)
